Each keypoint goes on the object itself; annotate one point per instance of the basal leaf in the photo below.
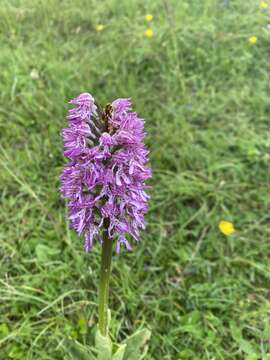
(103, 347)
(119, 354)
(77, 351)
(136, 345)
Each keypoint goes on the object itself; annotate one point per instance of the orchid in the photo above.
(104, 185)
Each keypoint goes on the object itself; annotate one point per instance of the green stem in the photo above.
(104, 283)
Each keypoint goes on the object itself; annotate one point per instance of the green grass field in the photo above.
(203, 90)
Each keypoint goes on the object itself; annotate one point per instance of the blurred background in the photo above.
(198, 72)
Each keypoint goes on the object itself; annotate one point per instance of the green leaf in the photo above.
(82, 324)
(243, 344)
(103, 346)
(235, 332)
(16, 353)
(4, 330)
(119, 354)
(247, 348)
(266, 331)
(78, 351)
(44, 253)
(251, 357)
(136, 345)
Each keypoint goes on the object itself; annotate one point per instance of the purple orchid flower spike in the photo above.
(104, 181)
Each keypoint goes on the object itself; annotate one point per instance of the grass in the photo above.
(204, 92)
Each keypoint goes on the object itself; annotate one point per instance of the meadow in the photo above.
(200, 78)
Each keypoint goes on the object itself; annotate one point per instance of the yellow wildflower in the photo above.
(263, 5)
(148, 17)
(99, 27)
(149, 33)
(253, 40)
(226, 227)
